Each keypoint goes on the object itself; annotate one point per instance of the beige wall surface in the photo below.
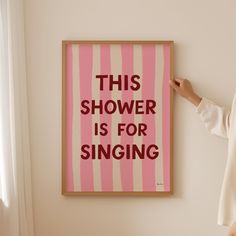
(205, 52)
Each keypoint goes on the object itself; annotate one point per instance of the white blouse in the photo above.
(222, 122)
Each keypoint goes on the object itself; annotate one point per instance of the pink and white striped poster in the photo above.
(117, 117)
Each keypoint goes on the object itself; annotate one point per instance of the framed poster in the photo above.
(117, 117)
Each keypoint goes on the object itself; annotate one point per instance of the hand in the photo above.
(184, 88)
(232, 230)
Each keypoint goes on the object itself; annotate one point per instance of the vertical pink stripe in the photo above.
(166, 117)
(148, 92)
(69, 117)
(85, 70)
(106, 164)
(126, 165)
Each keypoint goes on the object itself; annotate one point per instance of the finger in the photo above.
(179, 80)
(174, 85)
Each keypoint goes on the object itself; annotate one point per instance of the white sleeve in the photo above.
(215, 118)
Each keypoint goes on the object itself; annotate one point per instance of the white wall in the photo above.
(205, 34)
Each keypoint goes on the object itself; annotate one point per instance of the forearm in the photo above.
(194, 99)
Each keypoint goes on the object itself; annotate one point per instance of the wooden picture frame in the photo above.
(117, 119)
